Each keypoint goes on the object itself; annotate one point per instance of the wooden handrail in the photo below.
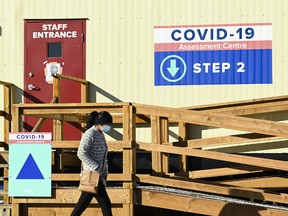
(6, 83)
(62, 76)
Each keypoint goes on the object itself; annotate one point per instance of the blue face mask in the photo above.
(106, 128)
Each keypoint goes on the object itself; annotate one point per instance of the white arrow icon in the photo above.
(173, 69)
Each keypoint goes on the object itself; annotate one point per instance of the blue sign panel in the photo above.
(213, 55)
(29, 164)
(213, 67)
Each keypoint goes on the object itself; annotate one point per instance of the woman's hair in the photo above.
(95, 118)
(104, 117)
(91, 119)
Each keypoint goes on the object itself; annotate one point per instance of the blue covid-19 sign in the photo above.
(209, 55)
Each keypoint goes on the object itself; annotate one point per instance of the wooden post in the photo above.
(7, 109)
(84, 92)
(7, 128)
(182, 137)
(160, 161)
(164, 138)
(56, 88)
(156, 156)
(84, 98)
(57, 125)
(15, 209)
(16, 119)
(16, 128)
(129, 155)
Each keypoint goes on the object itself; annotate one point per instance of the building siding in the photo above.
(120, 45)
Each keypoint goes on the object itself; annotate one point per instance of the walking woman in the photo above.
(92, 152)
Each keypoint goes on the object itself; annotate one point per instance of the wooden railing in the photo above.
(253, 133)
(267, 180)
(7, 111)
(256, 134)
(123, 116)
(57, 82)
(56, 98)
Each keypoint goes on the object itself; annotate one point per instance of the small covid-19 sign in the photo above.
(30, 164)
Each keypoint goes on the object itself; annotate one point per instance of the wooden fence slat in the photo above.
(260, 162)
(241, 103)
(71, 196)
(76, 177)
(267, 183)
(226, 171)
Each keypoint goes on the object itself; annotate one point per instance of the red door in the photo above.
(53, 46)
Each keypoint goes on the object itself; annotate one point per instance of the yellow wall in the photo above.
(120, 46)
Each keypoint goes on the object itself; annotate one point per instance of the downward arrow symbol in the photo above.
(173, 69)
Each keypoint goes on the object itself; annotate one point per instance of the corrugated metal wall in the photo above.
(120, 45)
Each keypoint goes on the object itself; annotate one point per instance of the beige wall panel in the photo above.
(124, 66)
(11, 40)
(120, 45)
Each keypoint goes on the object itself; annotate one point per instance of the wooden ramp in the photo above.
(203, 203)
(183, 166)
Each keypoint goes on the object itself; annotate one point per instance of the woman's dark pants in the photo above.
(101, 197)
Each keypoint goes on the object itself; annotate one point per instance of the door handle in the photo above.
(32, 87)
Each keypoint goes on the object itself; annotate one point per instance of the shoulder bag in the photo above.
(89, 180)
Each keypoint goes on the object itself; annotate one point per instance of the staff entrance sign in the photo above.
(30, 164)
(213, 54)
